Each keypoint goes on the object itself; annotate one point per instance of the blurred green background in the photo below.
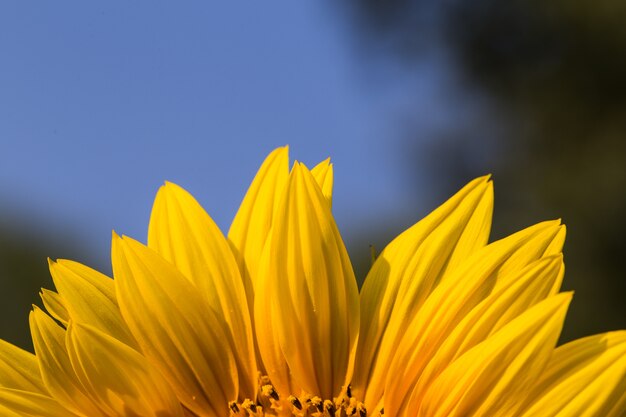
(412, 99)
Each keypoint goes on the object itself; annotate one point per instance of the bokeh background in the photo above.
(100, 103)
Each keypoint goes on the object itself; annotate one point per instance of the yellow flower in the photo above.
(269, 320)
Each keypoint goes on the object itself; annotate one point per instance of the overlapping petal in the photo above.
(19, 369)
(118, 378)
(251, 225)
(56, 368)
(310, 293)
(323, 174)
(174, 327)
(55, 305)
(482, 380)
(184, 234)
(407, 271)
(586, 377)
(88, 297)
(449, 303)
(19, 403)
(531, 285)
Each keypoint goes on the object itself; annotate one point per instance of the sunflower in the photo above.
(269, 320)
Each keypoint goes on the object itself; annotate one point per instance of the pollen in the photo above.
(270, 403)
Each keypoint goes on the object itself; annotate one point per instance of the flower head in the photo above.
(269, 320)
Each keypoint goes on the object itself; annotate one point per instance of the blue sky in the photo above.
(101, 103)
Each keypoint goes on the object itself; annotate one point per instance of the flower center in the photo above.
(270, 403)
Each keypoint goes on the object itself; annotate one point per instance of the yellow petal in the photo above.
(175, 328)
(547, 240)
(532, 284)
(19, 369)
(17, 403)
(100, 281)
(323, 174)
(407, 271)
(311, 286)
(184, 234)
(274, 362)
(55, 305)
(463, 289)
(89, 297)
(119, 378)
(586, 377)
(252, 223)
(481, 380)
(55, 366)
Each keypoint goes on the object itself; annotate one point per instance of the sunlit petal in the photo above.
(19, 369)
(311, 288)
(89, 297)
(56, 369)
(482, 379)
(17, 403)
(532, 284)
(323, 174)
(118, 377)
(407, 271)
(55, 305)
(586, 377)
(184, 234)
(176, 330)
(452, 300)
(253, 221)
